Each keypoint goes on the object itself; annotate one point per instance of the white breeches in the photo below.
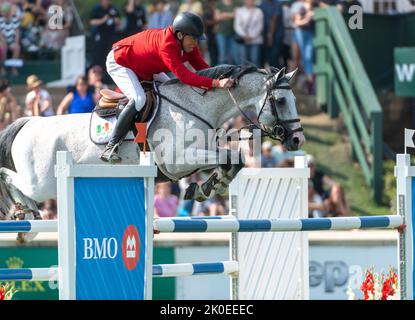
(127, 81)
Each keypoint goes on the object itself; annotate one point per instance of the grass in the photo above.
(332, 153)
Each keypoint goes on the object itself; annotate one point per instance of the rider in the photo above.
(146, 56)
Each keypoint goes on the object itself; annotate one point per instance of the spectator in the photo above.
(217, 206)
(161, 17)
(225, 34)
(248, 24)
(9, 109)
(281, 154)
(48, 210)
(80, 100)
(33, 12)
(105, 18)
(10, 32)
(18, 8)
(192, 6)
(53, 37)
(186, 206)
(136, 16)
(38, 100)
(334, 201)
(95, 81)
(286, 163)
(33, 15)
(273, 32)
(316, 207)
(286, 51)
(303, 20)
(3, 54)
(164, 202)
(210, 24)
(295, 44)
(267, 158)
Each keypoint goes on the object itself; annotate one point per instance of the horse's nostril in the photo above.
(295, 143)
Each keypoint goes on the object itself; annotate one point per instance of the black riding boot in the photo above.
(123, 125)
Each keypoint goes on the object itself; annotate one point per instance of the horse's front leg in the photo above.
(218, 182)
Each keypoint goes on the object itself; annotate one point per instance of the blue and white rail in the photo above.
(192, 269)
(159, 270)
(29, 226)
(277, 225)
(29, 274)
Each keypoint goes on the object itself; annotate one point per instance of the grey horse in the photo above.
(28, 146)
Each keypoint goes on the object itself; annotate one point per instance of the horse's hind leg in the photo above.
(15, 205)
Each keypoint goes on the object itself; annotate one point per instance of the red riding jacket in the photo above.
(156, 50)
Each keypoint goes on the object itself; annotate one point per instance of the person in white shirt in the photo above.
(248, 25)
(38, 100)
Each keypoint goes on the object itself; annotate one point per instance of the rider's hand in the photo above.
(224, 83)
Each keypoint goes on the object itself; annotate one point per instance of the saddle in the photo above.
(111, 100)
(106, 112)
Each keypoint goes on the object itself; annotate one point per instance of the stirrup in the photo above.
(112, 157)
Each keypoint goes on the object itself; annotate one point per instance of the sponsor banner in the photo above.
(110, 236)
(405, 72)
(16, 257)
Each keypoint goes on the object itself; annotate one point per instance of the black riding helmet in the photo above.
(189, 24)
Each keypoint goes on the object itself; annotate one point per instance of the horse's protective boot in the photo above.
(124, 124)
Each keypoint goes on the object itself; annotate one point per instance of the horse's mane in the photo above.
(214, 72)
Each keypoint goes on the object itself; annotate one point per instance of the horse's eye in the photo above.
(281, 100)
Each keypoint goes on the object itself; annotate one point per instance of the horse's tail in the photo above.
(7, 137)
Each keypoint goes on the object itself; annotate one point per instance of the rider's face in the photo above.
(188, 43)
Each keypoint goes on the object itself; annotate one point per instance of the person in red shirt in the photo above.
(146, 56)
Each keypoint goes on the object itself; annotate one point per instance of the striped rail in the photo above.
(230, 224)
(159, 270)
(29, 226)
(277, 225)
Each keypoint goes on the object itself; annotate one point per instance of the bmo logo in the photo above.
(107, 248)
(130, 247)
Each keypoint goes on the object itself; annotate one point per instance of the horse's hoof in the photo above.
(191, 191)
(25, 237)
(111, 160)
(209, 185)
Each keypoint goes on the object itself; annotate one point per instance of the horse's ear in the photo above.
(291, 75)
(279, 75)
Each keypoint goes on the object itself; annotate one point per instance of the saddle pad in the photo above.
(100, 129)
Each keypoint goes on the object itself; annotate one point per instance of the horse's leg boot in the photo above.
(123, 125)
(203, 192)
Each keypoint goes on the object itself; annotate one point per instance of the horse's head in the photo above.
(277, 111)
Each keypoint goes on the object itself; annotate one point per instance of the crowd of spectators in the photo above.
(29, 27)
(326, 197)
(266, 33)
